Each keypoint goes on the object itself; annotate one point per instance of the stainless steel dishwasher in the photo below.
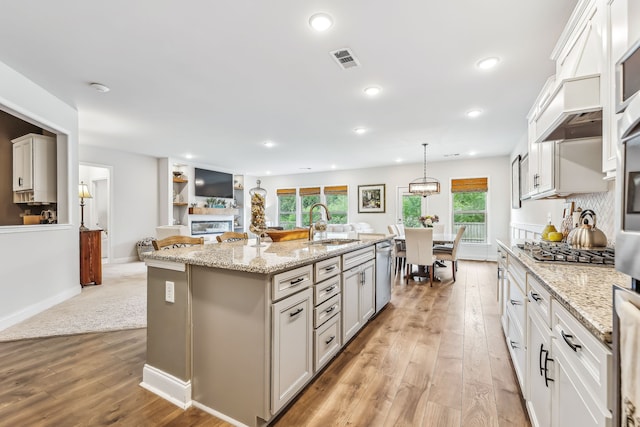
(383, 274)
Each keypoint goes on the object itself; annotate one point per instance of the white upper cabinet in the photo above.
(34, 169)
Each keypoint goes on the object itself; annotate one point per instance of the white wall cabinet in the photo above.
(292, 364)
(34, 169)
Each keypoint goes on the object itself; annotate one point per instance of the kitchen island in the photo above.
(239, 330)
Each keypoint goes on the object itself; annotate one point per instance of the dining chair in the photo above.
(177, 241)
(399, 252)
(450, 252)
(231, 236)
(419, 246)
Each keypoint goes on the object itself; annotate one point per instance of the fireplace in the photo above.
(211, 227)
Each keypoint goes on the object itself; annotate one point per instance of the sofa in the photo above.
(347, 231)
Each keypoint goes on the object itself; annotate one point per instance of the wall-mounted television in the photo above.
(210, 183)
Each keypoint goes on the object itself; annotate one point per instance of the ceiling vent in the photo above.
(345, 58)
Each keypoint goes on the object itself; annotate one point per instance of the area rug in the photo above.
(120, 302)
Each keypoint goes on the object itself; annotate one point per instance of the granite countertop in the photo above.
(584, 290)
(271, 258)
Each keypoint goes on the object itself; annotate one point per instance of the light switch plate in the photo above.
(169, 292)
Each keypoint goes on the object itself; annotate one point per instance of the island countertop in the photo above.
(584, 290)
(273, 257)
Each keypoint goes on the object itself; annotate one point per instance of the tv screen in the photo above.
(213, 184)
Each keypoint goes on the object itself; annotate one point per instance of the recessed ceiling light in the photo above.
(188, 156)
(474, 113)
(398, 160)
(333, 166)
(372, 90)
(472, 153)
(268, 172)
(100, 87)
(359, 131)
(488, 63)
(320, 22)
(269, 144)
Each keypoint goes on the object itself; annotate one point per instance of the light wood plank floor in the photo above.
(434, 357)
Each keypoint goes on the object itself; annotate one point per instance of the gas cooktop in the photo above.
(564, 254)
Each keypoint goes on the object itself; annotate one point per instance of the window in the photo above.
(336, 199)
(294, 205)
(287, 208)
(309, 196)
(470, 208)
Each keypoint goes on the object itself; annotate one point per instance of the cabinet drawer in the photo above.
(328, 268)
(517, 304)
(326, 310)
(517, 349)
(292, 281)
(517, 271)
(539, 299)
(326, 342)
(326, 289)
(586, 356)
(357, 257)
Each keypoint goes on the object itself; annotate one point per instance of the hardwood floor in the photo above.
(434, 357)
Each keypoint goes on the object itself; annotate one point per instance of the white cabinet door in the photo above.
(367, 291)
(573, 404)
(292, 364)
(23, 165)
(540, 371)
(351, 323)
(546, 167)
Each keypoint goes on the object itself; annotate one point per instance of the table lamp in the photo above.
(83, 193)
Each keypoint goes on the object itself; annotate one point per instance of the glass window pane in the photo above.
(287, 211)
(306, 203)
(411, 210)
(338, 207)
(469, 209)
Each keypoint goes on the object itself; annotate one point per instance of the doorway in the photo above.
(97, 210)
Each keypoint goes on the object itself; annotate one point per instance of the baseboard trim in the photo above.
(218, 414)
(39, 307)
(167, 386)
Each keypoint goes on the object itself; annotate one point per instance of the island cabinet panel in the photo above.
(232, 343)
(169, 334)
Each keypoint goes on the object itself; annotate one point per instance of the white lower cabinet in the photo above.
(292, 344)
(327, 342)
(540, 365)
(358, 298)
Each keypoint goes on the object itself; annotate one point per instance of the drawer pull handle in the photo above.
(330, 309)
(330, 289)
(295, 313)
(515, 302)
(566, 338)
(297, 281)
(331, 268)
(535, 296)
(331, 338)
(514, 344)
(20, 182)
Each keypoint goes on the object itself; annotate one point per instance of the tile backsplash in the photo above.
(604, 205)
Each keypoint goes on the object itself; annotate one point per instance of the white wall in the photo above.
(135, 201)
(40, 266)
(497, 169)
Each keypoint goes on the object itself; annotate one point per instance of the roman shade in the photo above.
(309, 191)
(286, 192)
(335, 189)
(469, 184)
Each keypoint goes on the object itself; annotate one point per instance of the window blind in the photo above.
(309, 191)
(286, 191)
(469, 184)
(335, 189)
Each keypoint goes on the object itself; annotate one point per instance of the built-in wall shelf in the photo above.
(180, 204)
(180, 180)
(213, 211)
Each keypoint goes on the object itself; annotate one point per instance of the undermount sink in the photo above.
(332, 242)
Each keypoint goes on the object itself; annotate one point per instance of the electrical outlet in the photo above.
(169, 292)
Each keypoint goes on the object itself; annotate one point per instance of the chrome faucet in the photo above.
(311, 217)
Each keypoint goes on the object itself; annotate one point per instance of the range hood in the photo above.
(572, 111)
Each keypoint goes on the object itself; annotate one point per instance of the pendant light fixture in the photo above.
(425, 186)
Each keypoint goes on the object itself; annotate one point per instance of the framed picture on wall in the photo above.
(515, 183)
(371, 198)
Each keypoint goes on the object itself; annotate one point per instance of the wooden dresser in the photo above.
(90, 257)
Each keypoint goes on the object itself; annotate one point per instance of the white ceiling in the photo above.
(215, 79)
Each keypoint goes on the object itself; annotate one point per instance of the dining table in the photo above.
(438, 239)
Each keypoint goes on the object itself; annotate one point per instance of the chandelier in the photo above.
(425, 186)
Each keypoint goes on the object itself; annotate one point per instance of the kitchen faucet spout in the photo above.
(311, 217)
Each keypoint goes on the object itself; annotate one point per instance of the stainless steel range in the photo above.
(564, 254)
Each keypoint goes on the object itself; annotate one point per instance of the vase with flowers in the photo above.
(428, 220)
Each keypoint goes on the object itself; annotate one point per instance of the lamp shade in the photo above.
(83, 191)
